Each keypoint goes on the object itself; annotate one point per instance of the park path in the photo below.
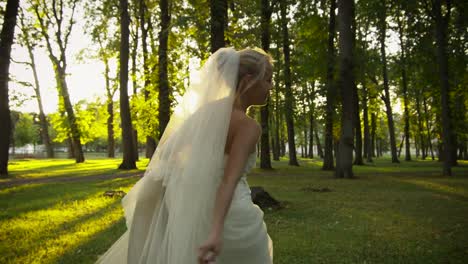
(58, 179)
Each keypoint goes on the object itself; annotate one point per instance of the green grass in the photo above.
(41, 168)
(392, 213)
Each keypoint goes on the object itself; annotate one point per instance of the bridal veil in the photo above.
(168, 212)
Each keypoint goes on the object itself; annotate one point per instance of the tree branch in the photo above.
(67, 34)
(44, 33)
(20, 62)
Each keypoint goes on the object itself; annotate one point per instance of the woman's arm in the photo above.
(244, 140)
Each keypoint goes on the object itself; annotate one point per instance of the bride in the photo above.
(193, 203)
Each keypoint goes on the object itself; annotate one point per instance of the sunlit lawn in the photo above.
(39, 168)
(392, 213)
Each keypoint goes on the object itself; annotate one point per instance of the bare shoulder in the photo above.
(247, 129)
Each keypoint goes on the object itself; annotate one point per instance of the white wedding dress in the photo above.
(245, 237)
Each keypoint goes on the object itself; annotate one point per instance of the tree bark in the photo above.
(277, 147)
(373, 143)
(136, 11)
(331, 91)
(420, 125)
(110, 111)
(310, 100)
(265, 161)
(357, 126)
(60, 68)
(319, 146)
(6, 41)
(428, 127)
(442, 58)
(128, 161)
(44, 130)
(150, 141)
(164, 90)
(344, 160)
(365, 116)
(218, 13)
(287, 82)
(386, 96)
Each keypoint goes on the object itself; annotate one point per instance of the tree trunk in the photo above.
(42, 117)
(373, 143)
(282, 137)
(164, 90)
(277, 148)
(60, 68)
(442, 58)
(134, 83)
(71, 148)
(386, 96)
(407, 122)
(218, 13)
(365, 117)
(405, 91)
(287, 81)
(150, 141)
(271, 125)
(401, 145)
(311, 114)
(110, 112)
(265, 161)
(344, 160)
(6, 41)
(304, 129)
(110, 130)
(331, 91)
(75, 134)
(420, 125)
(319, 146)
(428, 127)
(357, 126)
(128, 161)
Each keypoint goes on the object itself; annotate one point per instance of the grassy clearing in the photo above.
(42, 168)
(393, 213)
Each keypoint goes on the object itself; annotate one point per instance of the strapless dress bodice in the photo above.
(242, 191)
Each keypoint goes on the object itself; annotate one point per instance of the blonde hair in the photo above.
(252, 61)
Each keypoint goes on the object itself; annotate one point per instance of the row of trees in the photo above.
(335, 81)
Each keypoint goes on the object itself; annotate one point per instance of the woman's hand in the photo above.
(210, 249)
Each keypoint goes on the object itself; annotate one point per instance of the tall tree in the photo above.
(100, 17)
(344, 159)
(27, 38)
(218, 12)
(164, 100)
(128, 161)
(277, 137)
(287, 82)
(6, 40)
(265, 161)
(52, 17)
(386, 96)
(404, 82)
(441, 25)
(134, 52)
(144, 17)
(331, 91)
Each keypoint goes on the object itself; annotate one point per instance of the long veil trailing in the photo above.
(168, 211)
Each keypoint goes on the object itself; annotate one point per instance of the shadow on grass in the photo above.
(87, 251)
(65, 195)
(36, 197)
